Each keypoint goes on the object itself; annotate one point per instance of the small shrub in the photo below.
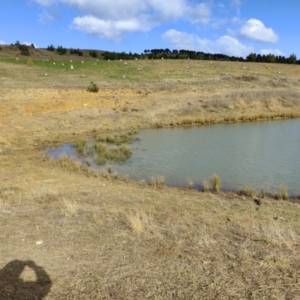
(29, 62)
(93, 88)
(215, 183)
(93, 53)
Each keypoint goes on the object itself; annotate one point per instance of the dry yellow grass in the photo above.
(101, 238)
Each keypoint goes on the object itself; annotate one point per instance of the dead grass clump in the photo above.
(248, 191)
(205, 186)
(282, 194)
(159, 180)
(247, 78)
(135, 222)
(190, 183)
(71, 164)
(71, 207)
(215, 183)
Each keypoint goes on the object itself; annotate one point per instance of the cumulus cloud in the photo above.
(109, 29)
(184, 40)
(113, 20)
(276, 52)
(254, 29)
(2, 42)
(231, 46)
(225, 44)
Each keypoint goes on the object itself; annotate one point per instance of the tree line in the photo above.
(168, 54)
(188, 54)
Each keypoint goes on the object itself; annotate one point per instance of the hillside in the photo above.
(98, 237)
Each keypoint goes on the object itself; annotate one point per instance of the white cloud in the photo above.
(276, 52)
(184, 40)
(29, 44)
(225, 44)
(113, 20)
(109, 29)
(2, 43)
(231, 46)
(180, 40)
(254, 29)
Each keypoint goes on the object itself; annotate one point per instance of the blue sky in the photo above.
(232, 27)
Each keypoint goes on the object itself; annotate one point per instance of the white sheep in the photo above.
(82, 61)
(72, 67)
(71, 60)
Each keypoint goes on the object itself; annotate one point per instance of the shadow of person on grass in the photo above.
(14, 287)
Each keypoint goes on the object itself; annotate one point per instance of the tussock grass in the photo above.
(248, 191)
(159, 180)
(205, 186)
(282, 193)
(135, 223)
(215, 183)
(190, 183)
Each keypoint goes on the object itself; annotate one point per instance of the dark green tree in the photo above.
(93, 54)
(24, 49)
(292, 59)
(51, 48)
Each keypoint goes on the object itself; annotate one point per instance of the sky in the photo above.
(232, 27)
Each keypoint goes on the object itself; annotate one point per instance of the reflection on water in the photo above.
(262, 154)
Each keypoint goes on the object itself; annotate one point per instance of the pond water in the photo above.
(261, 154)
